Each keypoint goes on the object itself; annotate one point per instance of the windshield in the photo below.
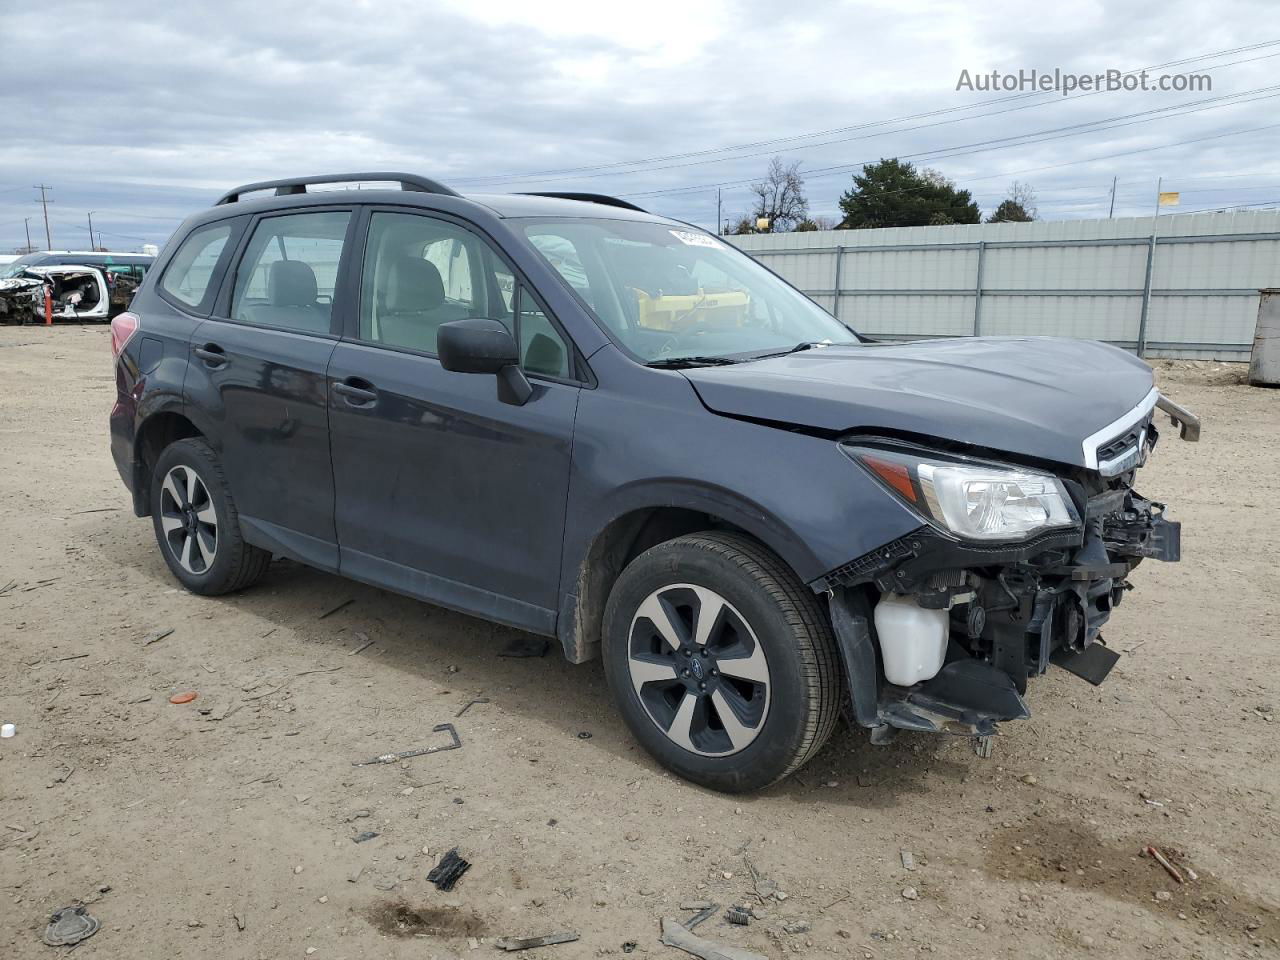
(15, 267)
(668, 293)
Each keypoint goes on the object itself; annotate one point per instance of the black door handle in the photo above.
(212, 354)
(358, 393)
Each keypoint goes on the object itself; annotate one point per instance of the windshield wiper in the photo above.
(675, 363)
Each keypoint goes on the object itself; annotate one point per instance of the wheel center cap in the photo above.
(696, 667)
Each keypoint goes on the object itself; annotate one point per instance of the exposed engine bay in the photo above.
(941, 635)
(75, 293)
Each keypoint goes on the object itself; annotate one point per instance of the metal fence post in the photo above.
(977, 289)
(1146, 296)
(835, 300)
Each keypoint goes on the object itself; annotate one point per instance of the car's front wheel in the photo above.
(196, 523)
(722, 662)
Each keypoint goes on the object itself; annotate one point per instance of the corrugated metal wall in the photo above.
(1075, 278)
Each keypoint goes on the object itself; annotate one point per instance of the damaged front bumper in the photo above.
(1012, 611)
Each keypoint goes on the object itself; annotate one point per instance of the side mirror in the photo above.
(477, 345)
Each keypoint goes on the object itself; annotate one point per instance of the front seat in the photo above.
(412, 306)
(291, 299)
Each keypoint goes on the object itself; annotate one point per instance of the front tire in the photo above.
(722, 662)
(196, 523)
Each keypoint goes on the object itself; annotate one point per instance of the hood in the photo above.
(1035, 396)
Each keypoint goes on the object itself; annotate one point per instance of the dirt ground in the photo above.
(224, 827)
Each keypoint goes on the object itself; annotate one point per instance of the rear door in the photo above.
(258, 370)
(443, 491)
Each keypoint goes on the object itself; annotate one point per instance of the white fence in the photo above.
(1192, 293)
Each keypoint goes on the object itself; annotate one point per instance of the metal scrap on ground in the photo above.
(675, 935)
(406, 754)
(524, 943)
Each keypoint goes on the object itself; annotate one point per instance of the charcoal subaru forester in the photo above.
(565, 414)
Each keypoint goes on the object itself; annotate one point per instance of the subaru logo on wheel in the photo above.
(697, 668)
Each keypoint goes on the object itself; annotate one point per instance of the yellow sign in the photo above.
(1169, 199)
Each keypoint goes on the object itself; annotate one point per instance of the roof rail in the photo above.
(591, 198)
(293, 185)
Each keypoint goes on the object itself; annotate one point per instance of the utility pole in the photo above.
(719, 222)
(26, 225)
(91, 247)
(1112, 211)
(44, 202)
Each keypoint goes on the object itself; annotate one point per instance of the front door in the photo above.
(259, 369)
(443, 491)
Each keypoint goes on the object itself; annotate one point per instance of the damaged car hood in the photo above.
(1036, 396)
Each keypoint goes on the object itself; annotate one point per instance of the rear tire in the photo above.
(735, 699)
(196, 523)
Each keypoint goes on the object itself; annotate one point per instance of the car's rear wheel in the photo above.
(196, 522)
(722, 662)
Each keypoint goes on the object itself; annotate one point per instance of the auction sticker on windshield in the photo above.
(695, 239)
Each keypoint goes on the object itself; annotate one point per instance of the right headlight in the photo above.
(970, 499)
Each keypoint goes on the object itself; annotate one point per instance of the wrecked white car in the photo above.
(76, 292)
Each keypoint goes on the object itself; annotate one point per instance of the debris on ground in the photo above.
(737, 916)
(910, 893)
(674, 935)
(984, 747)
(70, 925)
(157, 636)
(365, 644)
(701, 915)
(629, 946)
(526, 646)
(797, 926)
(184, 697)
(1169, 868)
(469, 704)
(584, 734)
(406, 754)
(448, 871)
(908, 861)
(524, 943)
(332, 610)
(365, 836)
(8, 730)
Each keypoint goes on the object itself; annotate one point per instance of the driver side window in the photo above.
(421, 273)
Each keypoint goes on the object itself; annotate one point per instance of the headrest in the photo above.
(413, 284)
(291, 283)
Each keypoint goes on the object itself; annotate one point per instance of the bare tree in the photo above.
(1018, 207)
(779, 197)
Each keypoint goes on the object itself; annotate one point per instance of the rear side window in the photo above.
(289, 271)
(189, 278)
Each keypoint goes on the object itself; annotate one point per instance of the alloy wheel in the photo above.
(699, 669)
(188, 520)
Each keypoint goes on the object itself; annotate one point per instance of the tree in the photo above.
(743, 225)
(815, 223)
(893, 193)
(1018, 207)
(779, 197)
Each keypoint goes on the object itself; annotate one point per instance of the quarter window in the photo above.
(289, 271)
(189, 276)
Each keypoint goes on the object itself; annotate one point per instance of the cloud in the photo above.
(147, 113)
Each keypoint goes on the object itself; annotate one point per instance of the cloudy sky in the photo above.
(144, 113)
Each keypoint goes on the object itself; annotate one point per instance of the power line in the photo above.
(546, 174)
(981, 146)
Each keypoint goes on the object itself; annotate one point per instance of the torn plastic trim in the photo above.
(967, 697)
(1188, 423)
